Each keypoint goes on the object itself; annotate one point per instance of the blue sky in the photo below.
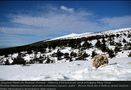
(24, 22)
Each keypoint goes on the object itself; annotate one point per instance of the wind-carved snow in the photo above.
(117, 69)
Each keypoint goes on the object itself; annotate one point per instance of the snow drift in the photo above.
(117, 69)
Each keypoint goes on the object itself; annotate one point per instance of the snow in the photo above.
(93, 42)
(87, 34)
(72, 36)
(67, 36)
(14, 55)
(123, 54)
(66, 50)
(117, 30)
(117, 69)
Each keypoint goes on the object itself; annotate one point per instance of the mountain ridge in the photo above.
(74, 35)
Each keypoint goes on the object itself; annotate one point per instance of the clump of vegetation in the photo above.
(117, 49)
(86, 45)
(59, 54)
(82, 56)
(19, 60)
(129, 54)
(111, 53)
(93, 54)
(7, 62)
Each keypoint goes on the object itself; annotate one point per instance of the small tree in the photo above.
(19, 60)
(128, 46)
(103, 46)
(82, 56)
(59, 54)
(73, 54)
(129, 35)
(111, 53)
(70, 59)
(103, 40)
(41, 59)
(85, 54)
(124, 34)
(124, 41)
(43, 50)
(98, 44)
(48, 60)
(118, 44)
(117, 35)
(93, 54)
(129, 54)
(29, 51)
(7, 62)
(66, 56)
(87, 45)
(117, 49)
(71, 43)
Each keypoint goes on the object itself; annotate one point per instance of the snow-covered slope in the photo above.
(75, 36)
(113, 43)
(118, 69)
(70, 59)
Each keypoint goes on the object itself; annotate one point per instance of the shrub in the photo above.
(48, 60)
(73, 54)
(19, 60)
(7, 62)
(87, 45)
(59, 54)
(127, 46)
(66, 56)
(29, 51)
(129, 35)
(117, 49)
(82, 56)
(98, 44)
(124, 41)
(93, 54)
(111, 53)
(99, 60)
(129, 54)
